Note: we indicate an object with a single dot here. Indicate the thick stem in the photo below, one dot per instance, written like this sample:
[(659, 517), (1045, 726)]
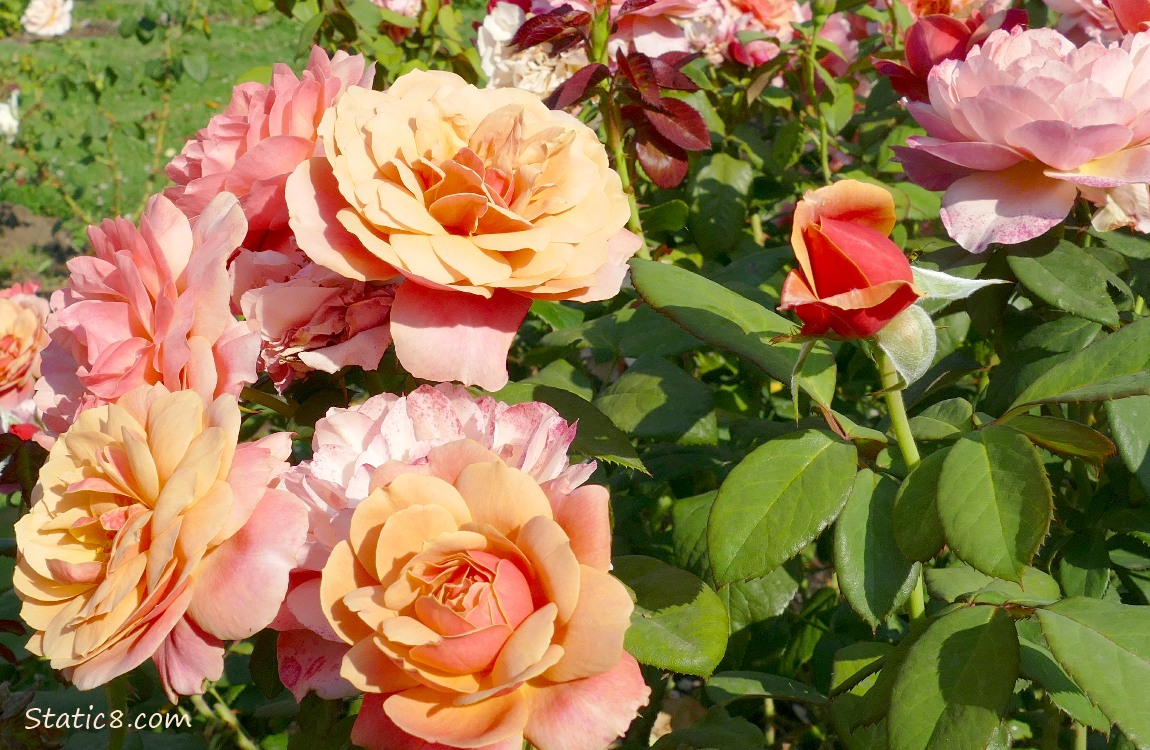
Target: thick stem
[(1051, 726), (1081, 733), (116, 693)]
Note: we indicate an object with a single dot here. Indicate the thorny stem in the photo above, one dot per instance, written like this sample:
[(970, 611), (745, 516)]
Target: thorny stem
[(279, 406), (902, 434)]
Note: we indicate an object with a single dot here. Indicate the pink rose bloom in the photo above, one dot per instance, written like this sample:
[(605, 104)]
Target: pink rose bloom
[(151, 306), (1132, 15), (250, 149), (154, 535), (1027, 122), (960, 9), (358, 449), (654, 30), (409, 8), (1086, 20), (318, 320)]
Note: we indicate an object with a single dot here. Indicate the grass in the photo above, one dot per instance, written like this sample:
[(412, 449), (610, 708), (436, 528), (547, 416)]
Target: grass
[(101, 115)]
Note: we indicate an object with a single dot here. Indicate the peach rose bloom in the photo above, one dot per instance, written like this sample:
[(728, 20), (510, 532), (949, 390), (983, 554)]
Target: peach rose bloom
[(151, 306), (361, 447), (22, 337), (152, 534), (267, 131), (475, 616), (482, 199), (47, 17)]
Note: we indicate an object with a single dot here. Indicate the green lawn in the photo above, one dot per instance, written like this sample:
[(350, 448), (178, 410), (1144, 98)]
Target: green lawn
[(102, 114)]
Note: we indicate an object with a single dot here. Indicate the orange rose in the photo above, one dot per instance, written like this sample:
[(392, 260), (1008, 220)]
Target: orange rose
[(482, 199), (22, 337), (476, 619)]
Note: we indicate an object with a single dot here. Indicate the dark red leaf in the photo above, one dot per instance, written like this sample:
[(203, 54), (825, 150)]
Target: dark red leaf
[(681, 124), (7, 655), (636, 68), (679, 59), (546, 27), (631, 6), (664, 162), (12, 626), (670, 77), (578, 87)]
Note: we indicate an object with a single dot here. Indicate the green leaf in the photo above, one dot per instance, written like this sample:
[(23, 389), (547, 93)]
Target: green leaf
[(1130, 426), (1084, 567), (689, 533), (197, 67), (1063, 436), (654, 398), (679, 623), (264, 665), (962, 583), (852, 710), (1105, 648), (1132, 246), (556, 314), (917, 529), (994, 501), (943, 421), (598, 437), (732, 322), (1069, 278), (717, 731), (1038, 664), (727, 687), (1112, 367), (873, 575), (759, 599), (841, 105), (776, 501), (956, 682), (719, 203), (634, 331), (668, 216)]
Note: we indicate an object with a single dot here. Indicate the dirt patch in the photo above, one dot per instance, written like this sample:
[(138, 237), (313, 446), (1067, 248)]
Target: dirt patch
[(21, 231)]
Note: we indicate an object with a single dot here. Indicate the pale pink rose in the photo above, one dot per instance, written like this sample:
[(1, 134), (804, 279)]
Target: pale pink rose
[(266, 132), (482, 199), (22, 338), (318, 320), (153, 535), (1025, 123), (47, 17), (1083, 20), (357, 449), (475, 615), (658, 28), (151, 306)]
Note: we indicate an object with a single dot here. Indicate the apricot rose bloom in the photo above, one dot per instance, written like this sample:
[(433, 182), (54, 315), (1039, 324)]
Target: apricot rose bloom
[(482, 199), (473, 617), (22, 338), (152, 534), (851, 279), (362, 447), (151, 306), (1026, 123)]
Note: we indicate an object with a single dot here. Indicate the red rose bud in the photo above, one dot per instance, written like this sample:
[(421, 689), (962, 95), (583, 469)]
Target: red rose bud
[(851, 279), (934, 38)]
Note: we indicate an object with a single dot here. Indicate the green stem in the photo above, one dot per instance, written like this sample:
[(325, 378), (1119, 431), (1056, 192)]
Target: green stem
[(902, 434), (1081, 734), (279, 406), (116, 693), (810, 62), (613, 127), (894, 404), (222, 714), (1051, 726)]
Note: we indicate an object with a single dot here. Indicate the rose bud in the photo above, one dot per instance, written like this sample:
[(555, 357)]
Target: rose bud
[(851, 279)]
